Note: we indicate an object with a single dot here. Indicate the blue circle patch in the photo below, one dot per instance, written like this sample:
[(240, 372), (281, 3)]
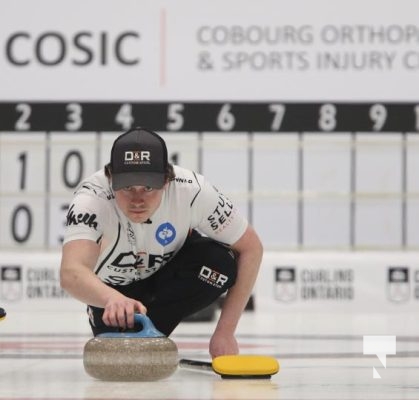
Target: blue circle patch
[(165, 233)]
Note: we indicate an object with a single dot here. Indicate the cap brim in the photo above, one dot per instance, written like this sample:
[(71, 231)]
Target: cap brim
[(155, 180)]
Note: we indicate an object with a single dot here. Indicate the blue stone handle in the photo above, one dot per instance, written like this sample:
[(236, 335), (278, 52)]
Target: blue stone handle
[(148, 330)]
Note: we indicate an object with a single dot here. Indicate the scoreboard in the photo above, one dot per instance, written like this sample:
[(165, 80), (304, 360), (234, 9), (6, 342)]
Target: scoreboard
[(210, 116), (307, 175)]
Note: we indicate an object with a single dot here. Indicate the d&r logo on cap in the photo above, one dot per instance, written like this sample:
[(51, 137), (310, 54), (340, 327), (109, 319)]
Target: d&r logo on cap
[(137, 157)]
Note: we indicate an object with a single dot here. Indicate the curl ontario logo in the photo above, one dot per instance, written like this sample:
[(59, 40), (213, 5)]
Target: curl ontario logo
[(285, 284), (398, 284), (165, 233)]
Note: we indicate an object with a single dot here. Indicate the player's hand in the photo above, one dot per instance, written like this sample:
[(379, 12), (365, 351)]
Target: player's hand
[(119, 311), (222, 344)]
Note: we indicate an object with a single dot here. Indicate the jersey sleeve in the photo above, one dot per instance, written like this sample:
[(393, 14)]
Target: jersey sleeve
[(217, 216), (86, 218)]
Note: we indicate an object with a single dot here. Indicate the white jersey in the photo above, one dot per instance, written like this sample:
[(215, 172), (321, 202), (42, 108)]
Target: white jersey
[(132, 251)]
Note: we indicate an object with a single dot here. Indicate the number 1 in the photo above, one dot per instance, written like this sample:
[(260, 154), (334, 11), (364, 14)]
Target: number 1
[(22, 159)]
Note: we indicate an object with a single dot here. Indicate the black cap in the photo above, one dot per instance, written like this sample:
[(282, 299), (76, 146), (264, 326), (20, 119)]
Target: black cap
[(138, 158)]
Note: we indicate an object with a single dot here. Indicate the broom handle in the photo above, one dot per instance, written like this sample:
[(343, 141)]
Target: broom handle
[(196, 364)]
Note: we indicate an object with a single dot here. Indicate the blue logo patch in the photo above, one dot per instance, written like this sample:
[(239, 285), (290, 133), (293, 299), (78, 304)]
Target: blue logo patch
[(165, 233)]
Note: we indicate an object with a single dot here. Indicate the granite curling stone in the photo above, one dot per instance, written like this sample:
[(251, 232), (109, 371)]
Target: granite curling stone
[(147, 355)]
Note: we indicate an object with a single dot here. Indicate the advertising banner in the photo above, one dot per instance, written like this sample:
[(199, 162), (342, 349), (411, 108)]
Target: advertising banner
[(335, 281), (209, 50), (310, 281)]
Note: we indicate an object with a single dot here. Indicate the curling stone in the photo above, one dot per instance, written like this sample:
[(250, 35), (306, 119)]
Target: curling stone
[(147, 355)]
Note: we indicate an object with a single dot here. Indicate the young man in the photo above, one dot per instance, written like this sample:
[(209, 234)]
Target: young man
[(145, 236)]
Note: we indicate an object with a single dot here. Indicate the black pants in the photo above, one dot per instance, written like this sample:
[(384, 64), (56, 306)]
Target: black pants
[(199, 273)]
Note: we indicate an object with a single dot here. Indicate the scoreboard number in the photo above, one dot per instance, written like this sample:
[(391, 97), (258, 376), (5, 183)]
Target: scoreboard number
[(279, 111), (327, 117), (378, 115), (21, 223), (417, 118), (175, 117), (22, 158), (75, 120), (24, 112), (72, 165), (124, 117), (225, 118)]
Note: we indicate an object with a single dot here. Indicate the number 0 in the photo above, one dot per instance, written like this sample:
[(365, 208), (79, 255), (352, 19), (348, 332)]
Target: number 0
[(24, 212), (79, 161)]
